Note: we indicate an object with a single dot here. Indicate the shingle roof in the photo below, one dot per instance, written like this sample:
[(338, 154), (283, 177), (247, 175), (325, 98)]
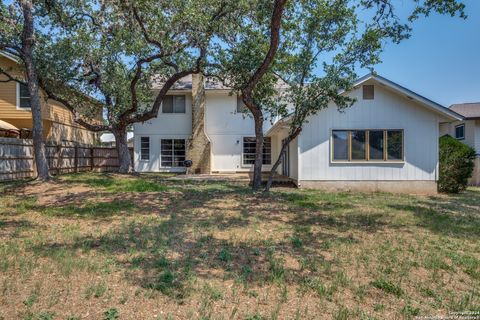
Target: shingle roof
[(211, 83), (468, 110), (185, 83)]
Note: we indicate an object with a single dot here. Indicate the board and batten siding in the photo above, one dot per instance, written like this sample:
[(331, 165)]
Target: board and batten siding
[(226, 128), (164, 126), (388, 110)]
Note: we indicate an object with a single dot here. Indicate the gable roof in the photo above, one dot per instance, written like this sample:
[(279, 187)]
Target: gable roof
[(432, 105), (468, 110), (436, 107)]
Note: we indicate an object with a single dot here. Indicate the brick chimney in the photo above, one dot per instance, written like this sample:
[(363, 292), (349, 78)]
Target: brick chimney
[(198, 146)]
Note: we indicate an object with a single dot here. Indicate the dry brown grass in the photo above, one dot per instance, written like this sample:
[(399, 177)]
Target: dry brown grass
[(150, 247)]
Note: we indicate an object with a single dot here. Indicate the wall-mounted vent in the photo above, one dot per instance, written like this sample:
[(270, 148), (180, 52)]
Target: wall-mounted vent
[(368, 92)]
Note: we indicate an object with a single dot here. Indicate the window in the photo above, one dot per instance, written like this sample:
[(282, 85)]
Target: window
[(241, 107), (460, 132), (376, 145), (249, 145), (358, 141), (367, 145), (368, 92), (173, 104), (340, 142), (23, 100), (173, 152), (144, 148), (394, 145)]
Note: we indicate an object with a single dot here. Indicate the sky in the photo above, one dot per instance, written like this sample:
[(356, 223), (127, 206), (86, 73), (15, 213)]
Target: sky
[(441, 60)]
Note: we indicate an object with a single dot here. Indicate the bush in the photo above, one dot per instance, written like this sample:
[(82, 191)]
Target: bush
[(456, 165)]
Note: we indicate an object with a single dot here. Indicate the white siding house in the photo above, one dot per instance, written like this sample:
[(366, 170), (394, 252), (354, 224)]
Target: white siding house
[(226, 128), (388, 141), (467, 131)]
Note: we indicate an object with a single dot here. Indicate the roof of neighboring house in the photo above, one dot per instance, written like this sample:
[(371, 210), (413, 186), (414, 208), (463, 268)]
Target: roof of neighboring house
[(434, 106), (8, 56), (108, 137), (468, 110)]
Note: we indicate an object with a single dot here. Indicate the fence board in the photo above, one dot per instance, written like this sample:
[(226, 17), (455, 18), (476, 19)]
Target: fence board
[(17, 158), (475, 179)]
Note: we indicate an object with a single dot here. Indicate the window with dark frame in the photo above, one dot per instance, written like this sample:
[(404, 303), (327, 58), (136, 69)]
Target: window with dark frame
[(144, 148), (368, 92), (172, 152), (460, 132), (367, 145), (249, 145), (24, 101), (173, 104)]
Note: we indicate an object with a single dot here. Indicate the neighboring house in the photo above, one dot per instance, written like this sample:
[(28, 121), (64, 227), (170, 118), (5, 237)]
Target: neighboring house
[(387, 141), (467, 131), (58, 123), (108, 139)]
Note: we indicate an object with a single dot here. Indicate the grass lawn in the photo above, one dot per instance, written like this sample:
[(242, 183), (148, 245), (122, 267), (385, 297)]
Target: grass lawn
[(93, 246)]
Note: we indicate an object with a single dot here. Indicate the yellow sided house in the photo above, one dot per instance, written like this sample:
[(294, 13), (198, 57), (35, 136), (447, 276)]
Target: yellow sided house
[(16, 116)]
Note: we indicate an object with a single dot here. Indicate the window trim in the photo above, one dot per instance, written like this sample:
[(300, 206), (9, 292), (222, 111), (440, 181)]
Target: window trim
[(458, 126), (149, 144), (246, 165), (367, 146), (173, 104), (173, 152), (17, 96)]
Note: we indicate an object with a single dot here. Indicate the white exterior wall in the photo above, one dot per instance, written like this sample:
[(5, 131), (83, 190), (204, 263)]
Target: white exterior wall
[(226, 128), (387, 111), (472, 132), (476, 144), (165, 126)]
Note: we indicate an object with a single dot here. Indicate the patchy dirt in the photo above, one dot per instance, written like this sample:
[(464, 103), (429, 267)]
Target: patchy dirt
[(149, 247)]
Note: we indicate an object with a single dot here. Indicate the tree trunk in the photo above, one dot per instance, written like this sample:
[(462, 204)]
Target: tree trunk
[(285, 144), (28, 42), (257, 167), (121, 143)]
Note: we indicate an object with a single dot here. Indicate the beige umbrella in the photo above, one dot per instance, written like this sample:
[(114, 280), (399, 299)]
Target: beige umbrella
[(7, 126)]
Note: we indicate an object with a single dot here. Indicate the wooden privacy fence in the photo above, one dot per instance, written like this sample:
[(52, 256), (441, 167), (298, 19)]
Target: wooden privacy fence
[(17, 158), (475, 179)]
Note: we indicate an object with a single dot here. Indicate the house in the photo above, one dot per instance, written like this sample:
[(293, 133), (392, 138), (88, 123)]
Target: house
[(387, 141), (467, 131), (58, 123), (107, 139)]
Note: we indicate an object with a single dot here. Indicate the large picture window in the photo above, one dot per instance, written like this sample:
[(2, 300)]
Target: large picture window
[(173, 152), (23, 97), (144, 148), (173, 104), (367, 145), (249, 145)]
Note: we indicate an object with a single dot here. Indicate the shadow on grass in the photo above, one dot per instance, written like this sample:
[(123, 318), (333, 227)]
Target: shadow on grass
[(168, 251)]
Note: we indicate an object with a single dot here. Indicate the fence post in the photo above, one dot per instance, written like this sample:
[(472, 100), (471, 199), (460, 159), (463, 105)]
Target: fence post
[(34, 161), (75, 159), (91, 159)]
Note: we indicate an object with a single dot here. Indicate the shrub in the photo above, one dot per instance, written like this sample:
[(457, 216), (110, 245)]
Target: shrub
[(456, 165)]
